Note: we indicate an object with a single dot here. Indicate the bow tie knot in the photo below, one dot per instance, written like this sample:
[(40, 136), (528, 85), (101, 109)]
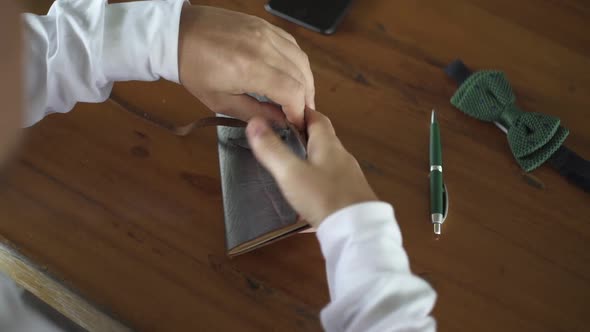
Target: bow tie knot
[(533, 137)]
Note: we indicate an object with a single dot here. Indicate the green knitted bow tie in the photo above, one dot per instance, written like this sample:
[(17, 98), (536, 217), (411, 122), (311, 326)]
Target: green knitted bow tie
[(533, 137)]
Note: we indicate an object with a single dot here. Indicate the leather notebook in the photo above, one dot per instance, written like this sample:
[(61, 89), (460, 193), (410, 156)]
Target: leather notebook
[(255, 211)]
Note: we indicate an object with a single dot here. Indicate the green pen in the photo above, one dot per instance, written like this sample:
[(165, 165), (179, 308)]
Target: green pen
[(438, 199)]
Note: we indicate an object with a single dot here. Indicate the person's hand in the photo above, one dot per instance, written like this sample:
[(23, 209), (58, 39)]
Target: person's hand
[(330, 179), (225, 54)]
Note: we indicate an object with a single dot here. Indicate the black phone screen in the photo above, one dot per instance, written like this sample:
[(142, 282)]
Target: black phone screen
[(322, 15)]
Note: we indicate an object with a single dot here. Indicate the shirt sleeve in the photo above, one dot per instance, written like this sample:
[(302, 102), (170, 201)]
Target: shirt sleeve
[(16, 315), (371, 285), (76, 51)]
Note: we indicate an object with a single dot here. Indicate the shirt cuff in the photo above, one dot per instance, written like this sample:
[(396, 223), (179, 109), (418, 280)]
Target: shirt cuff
[(356, 219), (141, 40)]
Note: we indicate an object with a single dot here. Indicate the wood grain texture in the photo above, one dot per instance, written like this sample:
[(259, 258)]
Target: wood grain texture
[(130, 216), (36, 279)]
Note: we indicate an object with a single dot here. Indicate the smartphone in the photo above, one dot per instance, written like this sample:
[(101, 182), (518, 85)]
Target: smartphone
[(317, 15)]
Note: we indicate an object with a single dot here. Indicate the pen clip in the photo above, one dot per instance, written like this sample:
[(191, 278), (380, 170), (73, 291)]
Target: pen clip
[(445, 202)]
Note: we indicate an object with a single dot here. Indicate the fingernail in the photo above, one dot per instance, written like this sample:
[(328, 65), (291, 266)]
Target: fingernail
[(256, 128), (312, 106)]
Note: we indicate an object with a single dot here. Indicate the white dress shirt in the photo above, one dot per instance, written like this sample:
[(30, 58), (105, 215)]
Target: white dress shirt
[(80, 48), (371, 285)]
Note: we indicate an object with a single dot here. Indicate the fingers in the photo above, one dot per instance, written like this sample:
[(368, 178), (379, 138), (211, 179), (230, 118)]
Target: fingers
[(244, 107), (272, 153), (286, 65), (283, 89), (318, 125), (300, 61), (321, 136), (285, 56)]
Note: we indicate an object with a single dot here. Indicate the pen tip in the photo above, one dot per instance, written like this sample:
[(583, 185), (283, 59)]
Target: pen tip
[(437, 229), (432, 117)]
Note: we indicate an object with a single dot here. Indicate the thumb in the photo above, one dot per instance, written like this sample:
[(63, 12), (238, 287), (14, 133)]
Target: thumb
[(271, 152)]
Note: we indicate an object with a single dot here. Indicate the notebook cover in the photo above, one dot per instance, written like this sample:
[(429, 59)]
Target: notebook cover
[(255, 211)]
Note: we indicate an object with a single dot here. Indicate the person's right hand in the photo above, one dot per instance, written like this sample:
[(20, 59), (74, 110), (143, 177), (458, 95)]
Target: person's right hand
[(224, 54), (330, 179)]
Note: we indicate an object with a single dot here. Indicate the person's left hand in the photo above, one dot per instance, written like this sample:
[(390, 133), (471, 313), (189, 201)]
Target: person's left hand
[(225, 54)]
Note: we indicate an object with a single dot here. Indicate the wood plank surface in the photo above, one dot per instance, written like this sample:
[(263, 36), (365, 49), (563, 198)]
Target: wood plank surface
[(130, 216)]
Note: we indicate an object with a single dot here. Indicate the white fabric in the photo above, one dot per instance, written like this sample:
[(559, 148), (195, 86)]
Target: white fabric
[(15, 315), (371, 285), (81, 47)]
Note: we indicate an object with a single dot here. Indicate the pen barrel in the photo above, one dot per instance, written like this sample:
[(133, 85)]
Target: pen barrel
[(436, 192), (435, 145)]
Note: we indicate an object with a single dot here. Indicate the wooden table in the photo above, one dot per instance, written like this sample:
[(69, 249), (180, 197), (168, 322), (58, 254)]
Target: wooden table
[(129, 216)]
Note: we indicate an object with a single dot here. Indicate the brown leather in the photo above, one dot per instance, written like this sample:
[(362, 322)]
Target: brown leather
[(178, 130), (208, 122)]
